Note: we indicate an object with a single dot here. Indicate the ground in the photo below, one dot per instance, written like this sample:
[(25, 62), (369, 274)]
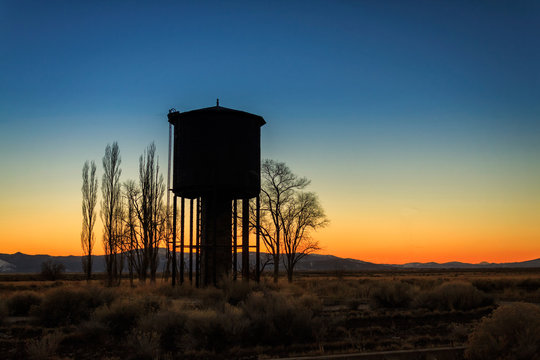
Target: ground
[(319, 314)]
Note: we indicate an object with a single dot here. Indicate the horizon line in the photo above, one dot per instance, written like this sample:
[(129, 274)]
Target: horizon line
[(345, 258)]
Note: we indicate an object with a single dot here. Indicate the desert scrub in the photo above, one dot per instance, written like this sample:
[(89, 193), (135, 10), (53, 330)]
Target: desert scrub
[(44, 347), (3, 310), (176, 292), (456, 295), (209, 297), (235, 291), (63, 306), (334, 292), (214, 330), (511, 332), (67, 305), (122, 315), (392, 294), (88, 332), (278, 319), (493, 285), (168, 326), (100, 295), (20, 302), (310, 301), (529, 284), (143, 345)]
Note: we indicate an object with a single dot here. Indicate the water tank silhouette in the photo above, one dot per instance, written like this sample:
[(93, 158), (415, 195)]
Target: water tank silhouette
[(216, 151)]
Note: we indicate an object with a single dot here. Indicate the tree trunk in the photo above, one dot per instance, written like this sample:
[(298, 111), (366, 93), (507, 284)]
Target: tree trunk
[(276, 267), (89, 267), (289, 274), (109, 270)]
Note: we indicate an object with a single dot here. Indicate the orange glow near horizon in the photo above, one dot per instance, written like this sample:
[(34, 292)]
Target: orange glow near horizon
[(369, 236), (370, 220)]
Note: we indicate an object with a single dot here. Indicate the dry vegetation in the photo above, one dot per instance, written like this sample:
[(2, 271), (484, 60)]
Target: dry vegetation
[(319, 314)]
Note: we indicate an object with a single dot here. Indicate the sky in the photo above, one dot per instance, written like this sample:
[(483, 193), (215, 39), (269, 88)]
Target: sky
[(418, 122)]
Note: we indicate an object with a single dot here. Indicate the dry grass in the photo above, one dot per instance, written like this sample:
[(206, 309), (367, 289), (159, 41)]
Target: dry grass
[(455, 295), (71, 305), (393, 294), (236, 319), (122, 315), (3, 310), (45, 347), (20, 303), (511, 332)]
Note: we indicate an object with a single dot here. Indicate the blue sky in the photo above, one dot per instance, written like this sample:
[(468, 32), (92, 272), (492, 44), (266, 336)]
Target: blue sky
[(428, 98)]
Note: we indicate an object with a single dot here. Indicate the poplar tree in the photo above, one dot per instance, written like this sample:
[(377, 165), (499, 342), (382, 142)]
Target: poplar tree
[(111, 210), (89, 200)]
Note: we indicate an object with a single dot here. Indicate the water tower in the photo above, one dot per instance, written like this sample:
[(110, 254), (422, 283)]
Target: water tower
[(217, 157)]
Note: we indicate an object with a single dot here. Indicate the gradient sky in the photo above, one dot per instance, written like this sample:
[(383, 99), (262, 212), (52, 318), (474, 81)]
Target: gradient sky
[(418, 122)]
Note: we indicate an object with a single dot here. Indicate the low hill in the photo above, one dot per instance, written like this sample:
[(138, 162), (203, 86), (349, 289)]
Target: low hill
[(460, 265), (23, 263)]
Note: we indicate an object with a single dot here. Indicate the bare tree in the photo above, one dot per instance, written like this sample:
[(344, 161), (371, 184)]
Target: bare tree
[(146, 215), (131, 194), (138, 258), (153, 215), (287, 215), (119, 234), (89, 194), (52, 270), (299, 217), (111, 208)]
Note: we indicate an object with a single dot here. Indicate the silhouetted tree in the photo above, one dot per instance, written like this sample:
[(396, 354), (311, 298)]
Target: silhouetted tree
[(302, 214), (89, 194), (52, 270), (153, 213), (111, 210), (132, 229), (137, 256), (147, 215), (288, 214)]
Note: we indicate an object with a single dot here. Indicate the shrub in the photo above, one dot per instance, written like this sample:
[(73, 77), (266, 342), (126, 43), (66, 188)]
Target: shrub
[(235, 291), (215, 330), (335, 292), (66, 305), (3, 311), (529, 285), (457, 295), (277, 319), (347, 292), (512, 332), (123, 314), (88, 332), (99, 295), (392, 294), (168, 325), (210, 297), (45, 347), (493, 285), (144, 345), (311, 302), (52, 270), (19, 304), (202, 327), (175, 292)]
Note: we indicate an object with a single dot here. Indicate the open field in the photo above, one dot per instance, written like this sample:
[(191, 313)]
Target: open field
[(319, 314)]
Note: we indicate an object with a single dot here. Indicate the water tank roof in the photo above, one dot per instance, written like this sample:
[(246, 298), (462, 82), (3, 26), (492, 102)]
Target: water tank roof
[(219, 112)]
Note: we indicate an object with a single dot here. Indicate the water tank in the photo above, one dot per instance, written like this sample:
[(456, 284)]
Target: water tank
[(216, 151)]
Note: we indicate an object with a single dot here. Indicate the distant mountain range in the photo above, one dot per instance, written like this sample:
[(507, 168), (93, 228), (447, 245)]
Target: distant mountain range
[(460, 265), (22, 263)]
